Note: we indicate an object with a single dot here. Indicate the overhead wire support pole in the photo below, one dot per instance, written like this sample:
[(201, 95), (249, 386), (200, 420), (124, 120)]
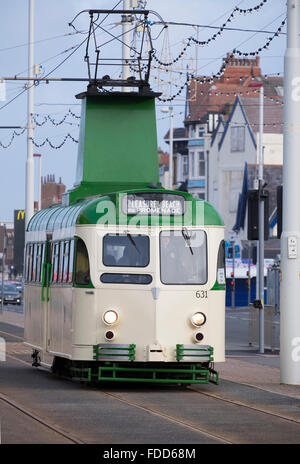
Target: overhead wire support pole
[(126, 24), (290, 237), (29, 184), (261, 231)]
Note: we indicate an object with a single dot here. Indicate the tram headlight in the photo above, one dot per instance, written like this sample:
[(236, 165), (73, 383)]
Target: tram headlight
[(198, 319), (110, 317)]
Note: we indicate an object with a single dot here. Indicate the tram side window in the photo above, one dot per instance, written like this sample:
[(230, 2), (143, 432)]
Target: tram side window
[(61, 261), (221, 274), (82, 266), (28, 262), (38, 262), (55, 262), (34, 262), (66, 262), (71, 261)]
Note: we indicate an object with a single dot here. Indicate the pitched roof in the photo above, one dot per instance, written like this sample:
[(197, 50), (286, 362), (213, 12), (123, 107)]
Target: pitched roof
[(227, 125), (178, 133), (218, 95), (273, 114)]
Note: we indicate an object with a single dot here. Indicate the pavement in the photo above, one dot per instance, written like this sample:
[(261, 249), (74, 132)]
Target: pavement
[(245, 366)]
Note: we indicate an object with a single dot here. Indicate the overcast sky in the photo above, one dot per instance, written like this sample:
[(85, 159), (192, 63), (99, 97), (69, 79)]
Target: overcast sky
[(52, 40)]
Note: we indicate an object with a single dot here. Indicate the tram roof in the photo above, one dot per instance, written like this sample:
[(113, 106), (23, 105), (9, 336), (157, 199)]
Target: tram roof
[(108, 209)]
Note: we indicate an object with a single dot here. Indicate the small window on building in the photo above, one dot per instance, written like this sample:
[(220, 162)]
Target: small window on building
[(201, 164), (201, 131), (237, 138), (185, 165), (192, 166), (82, 270), (213, 119), (192, 131)]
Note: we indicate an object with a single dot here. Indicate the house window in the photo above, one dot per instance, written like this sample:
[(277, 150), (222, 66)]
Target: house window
[(201, 131), (201, 164), (238, 138), (213, 119), (192, 131), (192, 167), (185, 165)]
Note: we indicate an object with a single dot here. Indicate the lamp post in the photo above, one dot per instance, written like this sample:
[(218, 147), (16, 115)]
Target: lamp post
[(29, 194), (126, 24), (169, 109), (290, 237), (261, 233)]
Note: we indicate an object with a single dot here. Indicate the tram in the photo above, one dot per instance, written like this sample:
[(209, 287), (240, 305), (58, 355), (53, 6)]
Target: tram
[(125, 280)]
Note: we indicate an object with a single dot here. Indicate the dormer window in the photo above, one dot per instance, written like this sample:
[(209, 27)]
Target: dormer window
[(213, 119)]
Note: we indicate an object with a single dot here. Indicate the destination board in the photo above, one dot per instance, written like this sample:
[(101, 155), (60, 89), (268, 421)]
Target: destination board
[(153, 204)]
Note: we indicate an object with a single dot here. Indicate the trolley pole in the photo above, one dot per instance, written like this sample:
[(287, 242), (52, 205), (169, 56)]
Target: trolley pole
[(290, 237), (126, 23), (29, 195)]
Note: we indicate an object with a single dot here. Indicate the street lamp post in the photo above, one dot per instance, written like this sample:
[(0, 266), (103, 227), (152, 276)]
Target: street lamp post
[(261, 233), (169, 109), (29, 196), (290, 237)]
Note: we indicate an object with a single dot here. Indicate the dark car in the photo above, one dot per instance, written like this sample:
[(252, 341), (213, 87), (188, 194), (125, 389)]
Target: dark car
[(11, 295)]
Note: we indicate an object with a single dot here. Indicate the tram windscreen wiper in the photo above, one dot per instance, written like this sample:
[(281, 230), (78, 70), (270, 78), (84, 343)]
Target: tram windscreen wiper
[(187, 239), (133, 243)]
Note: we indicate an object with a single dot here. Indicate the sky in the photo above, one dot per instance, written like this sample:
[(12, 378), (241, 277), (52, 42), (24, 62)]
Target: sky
[(55, 40)]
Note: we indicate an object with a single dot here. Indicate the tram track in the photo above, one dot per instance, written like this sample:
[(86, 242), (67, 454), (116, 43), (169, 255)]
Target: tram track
[(201, 429), (156, 413), (169, 418), (244, 405), (53, 427), (183, 422)]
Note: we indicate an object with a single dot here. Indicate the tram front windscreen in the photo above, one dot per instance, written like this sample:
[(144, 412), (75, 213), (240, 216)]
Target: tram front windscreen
[(183, 257)]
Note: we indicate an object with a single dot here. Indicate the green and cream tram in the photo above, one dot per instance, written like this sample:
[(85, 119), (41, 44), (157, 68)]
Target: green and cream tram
[(125, 280), (127, 286)]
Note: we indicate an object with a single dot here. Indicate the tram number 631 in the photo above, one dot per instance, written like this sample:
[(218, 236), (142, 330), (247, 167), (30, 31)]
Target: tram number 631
[(201, 294)]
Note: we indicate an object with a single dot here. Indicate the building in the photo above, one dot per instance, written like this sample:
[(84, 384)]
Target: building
[(234, 143), (209, 105), (7, 230), (51, 191)]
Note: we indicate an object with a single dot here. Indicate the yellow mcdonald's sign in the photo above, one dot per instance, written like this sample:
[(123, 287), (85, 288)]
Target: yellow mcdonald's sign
[(21, 213)]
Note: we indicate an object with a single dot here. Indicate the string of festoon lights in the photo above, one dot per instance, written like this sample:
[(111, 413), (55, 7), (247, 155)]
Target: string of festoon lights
[(55, 147), (52, 120), (14, 134), (206, 42)]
